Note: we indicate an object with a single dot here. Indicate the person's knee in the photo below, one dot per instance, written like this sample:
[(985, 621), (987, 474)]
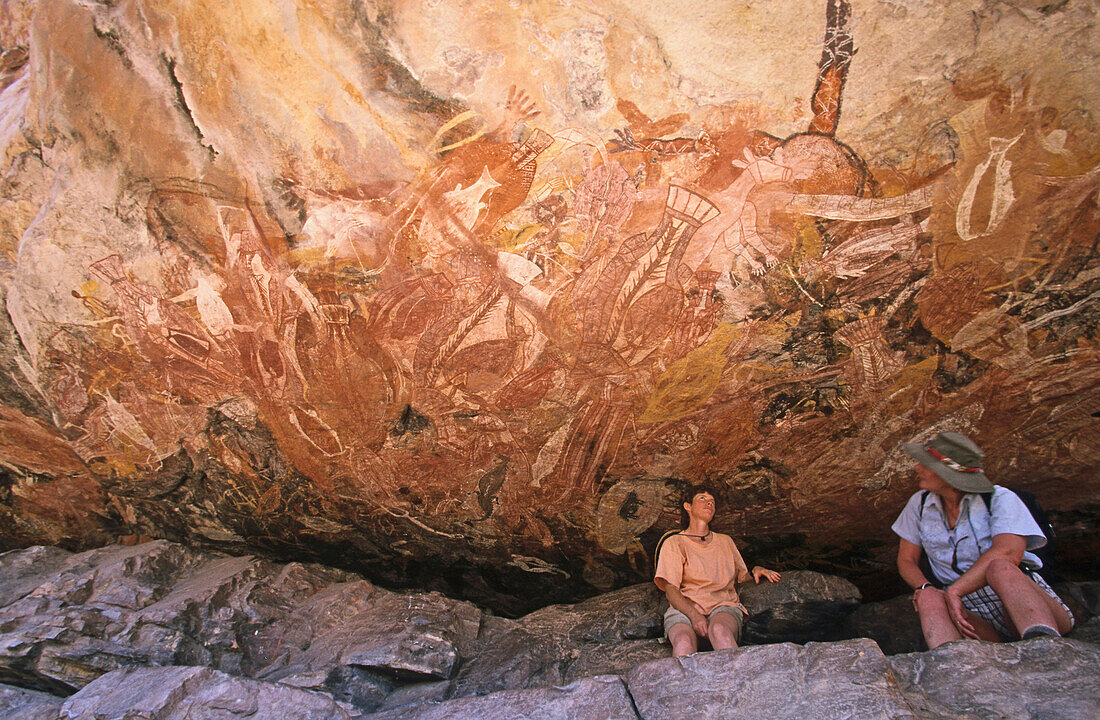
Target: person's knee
[(721, 634), (931, 602), (682, 635)]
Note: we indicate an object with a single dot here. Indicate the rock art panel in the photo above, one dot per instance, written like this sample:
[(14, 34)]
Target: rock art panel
[(470, 316)]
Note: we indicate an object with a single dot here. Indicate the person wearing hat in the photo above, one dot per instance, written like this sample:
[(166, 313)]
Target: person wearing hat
[(984, 585)]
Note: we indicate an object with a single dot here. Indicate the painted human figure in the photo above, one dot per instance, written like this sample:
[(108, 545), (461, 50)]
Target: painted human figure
[(977, 536), (698, 570)]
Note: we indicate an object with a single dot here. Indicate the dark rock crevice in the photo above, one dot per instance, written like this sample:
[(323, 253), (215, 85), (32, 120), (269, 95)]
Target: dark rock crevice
[(182, 105)]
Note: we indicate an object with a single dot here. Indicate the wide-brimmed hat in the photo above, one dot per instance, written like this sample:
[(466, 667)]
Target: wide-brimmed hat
[(955, 458)]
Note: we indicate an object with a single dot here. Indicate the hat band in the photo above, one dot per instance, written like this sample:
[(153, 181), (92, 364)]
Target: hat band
[(949, 462)]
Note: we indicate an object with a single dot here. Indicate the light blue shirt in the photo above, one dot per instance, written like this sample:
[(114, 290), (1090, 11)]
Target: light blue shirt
[(973, 532)]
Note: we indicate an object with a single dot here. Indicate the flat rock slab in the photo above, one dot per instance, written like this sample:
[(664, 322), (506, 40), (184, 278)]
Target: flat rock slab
[(19, 704), (1045, 678), (190, 693), (616, 658), (826, 681), (24, 570), (597, 698), (358, 624)]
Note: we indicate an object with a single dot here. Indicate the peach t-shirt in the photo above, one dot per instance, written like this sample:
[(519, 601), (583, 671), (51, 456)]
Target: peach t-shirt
[(706, 574)]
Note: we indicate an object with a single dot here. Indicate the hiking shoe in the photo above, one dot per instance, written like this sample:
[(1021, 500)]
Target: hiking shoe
[(1039, 631)]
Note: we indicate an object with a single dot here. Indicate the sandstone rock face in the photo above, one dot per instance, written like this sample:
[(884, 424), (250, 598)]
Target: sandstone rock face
[(461, 295)]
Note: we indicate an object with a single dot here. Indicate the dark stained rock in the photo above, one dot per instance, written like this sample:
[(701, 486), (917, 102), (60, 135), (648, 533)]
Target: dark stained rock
[(177, 693), (597, 698), (1083, 598), (850, 679), (1088, 631), (416, 694), (893, 624), (20, 704), (1026, 680), (804, 606)]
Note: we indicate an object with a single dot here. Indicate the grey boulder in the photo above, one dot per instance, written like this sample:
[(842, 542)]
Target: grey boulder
[(596, 698), (20, 704), (192, 693), (360, 642), (1040, 679), (24, 570), (73, 618), (818, 681)]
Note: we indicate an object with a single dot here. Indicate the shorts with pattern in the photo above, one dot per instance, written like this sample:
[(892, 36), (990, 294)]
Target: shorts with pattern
[(986, 604), (674, 616)]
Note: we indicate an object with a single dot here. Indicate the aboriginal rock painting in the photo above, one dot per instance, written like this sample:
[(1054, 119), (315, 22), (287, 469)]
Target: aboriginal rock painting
[(549, 332)]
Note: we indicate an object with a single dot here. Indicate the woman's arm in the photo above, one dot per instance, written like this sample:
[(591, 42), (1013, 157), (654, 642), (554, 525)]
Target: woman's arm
[(909, 564), (677, 600), (1007, 546)]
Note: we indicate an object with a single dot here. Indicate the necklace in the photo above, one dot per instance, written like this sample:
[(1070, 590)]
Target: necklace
[(701, 537)]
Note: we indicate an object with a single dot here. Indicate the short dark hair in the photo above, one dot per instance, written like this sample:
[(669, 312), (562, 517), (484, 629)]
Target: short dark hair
[(691, 492), (688, 496)]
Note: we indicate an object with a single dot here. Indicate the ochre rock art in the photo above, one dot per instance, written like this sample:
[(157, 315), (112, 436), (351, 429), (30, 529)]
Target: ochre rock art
[(449, 325)]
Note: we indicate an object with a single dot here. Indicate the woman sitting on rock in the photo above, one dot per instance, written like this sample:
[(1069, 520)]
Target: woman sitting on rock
[(698, 571), (977, 536)]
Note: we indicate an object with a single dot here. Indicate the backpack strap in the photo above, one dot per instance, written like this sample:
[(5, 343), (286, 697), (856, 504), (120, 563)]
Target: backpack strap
[(924, 564), (660, 543)]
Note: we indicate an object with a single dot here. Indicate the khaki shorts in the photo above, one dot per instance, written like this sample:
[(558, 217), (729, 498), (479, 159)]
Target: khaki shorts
[(674, 616)]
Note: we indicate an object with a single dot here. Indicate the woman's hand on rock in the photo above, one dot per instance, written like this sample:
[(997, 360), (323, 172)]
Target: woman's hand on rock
[(771, 575)]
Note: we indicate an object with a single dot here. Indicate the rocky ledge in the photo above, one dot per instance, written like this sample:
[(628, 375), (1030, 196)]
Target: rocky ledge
[(161, 631)]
